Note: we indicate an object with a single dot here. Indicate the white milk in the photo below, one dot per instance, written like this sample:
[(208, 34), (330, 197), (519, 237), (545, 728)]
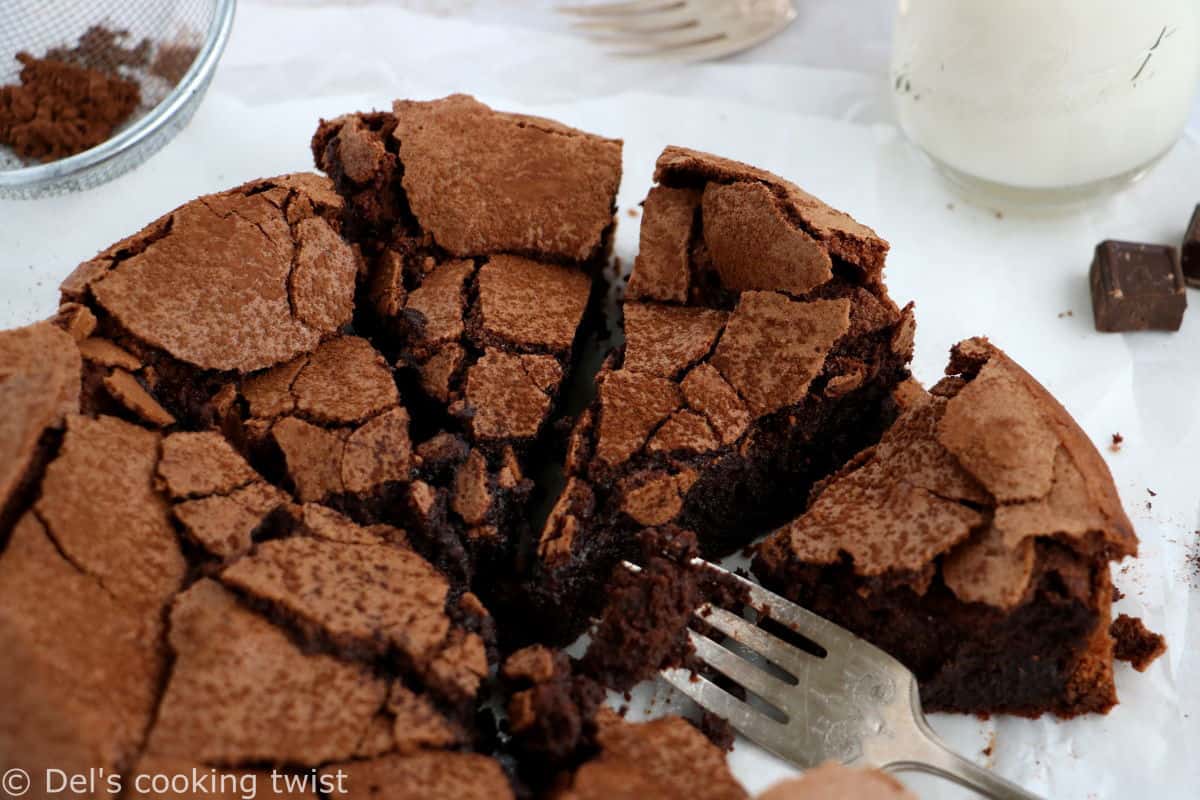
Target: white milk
[(1045, 94)]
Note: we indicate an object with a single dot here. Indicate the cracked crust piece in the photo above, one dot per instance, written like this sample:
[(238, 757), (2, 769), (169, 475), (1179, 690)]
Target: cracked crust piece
[(79, 667), (477, 181), (372, 598), (229, 283), (832, 781), (981, 526), (488, 250), (419, 776), (335, 418), (39, 387), (713, 227), (667, 758), (240, 692), (84, 582)]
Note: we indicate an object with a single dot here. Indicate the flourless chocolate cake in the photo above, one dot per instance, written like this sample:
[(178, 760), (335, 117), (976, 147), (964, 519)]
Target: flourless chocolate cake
[(267, 496), (973, 543), (760, 346)]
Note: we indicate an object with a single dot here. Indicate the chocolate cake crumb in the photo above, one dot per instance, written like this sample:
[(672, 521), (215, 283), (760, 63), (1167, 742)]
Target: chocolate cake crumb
[(60, 109), (1135, 643)]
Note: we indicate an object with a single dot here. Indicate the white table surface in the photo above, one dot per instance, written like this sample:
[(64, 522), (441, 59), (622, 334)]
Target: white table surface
[(813, 105)]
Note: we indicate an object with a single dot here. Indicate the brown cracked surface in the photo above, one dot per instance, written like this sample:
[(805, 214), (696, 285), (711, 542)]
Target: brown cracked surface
[(39, 388), (976, 472), (267, 277), (665, 758), (481, 181), (832, 781), (982, 525), (241, 692), (464, 776)]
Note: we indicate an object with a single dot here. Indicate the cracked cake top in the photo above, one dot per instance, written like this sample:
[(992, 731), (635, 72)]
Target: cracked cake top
[(975, 471), (713, 223), (267, 276), (477, 181)]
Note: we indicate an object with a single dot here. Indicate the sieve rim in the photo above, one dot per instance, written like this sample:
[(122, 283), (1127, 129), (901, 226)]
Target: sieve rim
[(195, 81)]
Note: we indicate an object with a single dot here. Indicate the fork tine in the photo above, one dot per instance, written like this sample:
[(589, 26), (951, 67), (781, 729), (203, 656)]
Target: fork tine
[(620, 8), (816, 629), (790, 659), (712, 698), (706, 49), (741, 671), (672, 20), (671, 44)]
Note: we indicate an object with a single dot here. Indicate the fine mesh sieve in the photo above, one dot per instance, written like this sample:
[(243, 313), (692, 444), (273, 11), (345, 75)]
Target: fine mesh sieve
[(170, 48)]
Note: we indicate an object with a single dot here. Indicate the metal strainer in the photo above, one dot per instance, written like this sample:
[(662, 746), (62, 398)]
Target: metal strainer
[(183, 40)]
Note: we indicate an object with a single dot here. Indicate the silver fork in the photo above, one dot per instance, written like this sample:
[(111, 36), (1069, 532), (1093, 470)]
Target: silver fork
[(683, 30), (856, 704)]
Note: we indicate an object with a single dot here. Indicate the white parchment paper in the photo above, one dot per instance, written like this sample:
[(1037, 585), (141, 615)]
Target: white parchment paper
[(1020, 278)]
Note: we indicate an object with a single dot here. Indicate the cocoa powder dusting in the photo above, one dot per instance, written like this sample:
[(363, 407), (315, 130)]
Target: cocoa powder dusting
[(60, 109)]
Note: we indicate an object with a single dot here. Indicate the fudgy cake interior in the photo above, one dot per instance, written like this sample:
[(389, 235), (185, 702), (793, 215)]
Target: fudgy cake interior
[(760, 347), (973, 543)]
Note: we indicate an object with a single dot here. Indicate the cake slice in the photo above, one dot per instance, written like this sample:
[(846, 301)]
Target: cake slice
[(485, 235), (760, 349), (223, 286), (973, 543)]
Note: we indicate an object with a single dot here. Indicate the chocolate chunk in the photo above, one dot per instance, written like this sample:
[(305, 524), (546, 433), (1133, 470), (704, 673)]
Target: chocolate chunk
[(1190, 253), (1137, 287)]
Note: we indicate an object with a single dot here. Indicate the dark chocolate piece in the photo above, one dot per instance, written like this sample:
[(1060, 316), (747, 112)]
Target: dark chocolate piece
[(1189, 254), (1137, 287)]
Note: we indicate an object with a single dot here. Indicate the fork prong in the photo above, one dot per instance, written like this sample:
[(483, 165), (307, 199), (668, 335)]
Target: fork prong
[(673, 20), (816, 629), (744, 718), (784, 655), (619, 8), (708, 48), (741, 671)]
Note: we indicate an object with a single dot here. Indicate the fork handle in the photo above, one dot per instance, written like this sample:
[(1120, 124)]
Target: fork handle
[(931, 756)]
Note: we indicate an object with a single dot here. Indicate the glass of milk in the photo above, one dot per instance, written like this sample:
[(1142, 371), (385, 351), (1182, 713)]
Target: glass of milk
[(1045, 100)]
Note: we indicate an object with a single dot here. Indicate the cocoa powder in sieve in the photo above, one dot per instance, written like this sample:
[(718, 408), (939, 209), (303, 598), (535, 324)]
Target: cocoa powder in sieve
[(60, 109)]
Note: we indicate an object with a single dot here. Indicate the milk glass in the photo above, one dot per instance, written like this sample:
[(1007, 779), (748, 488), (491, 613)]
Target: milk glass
[(1045, 99)]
